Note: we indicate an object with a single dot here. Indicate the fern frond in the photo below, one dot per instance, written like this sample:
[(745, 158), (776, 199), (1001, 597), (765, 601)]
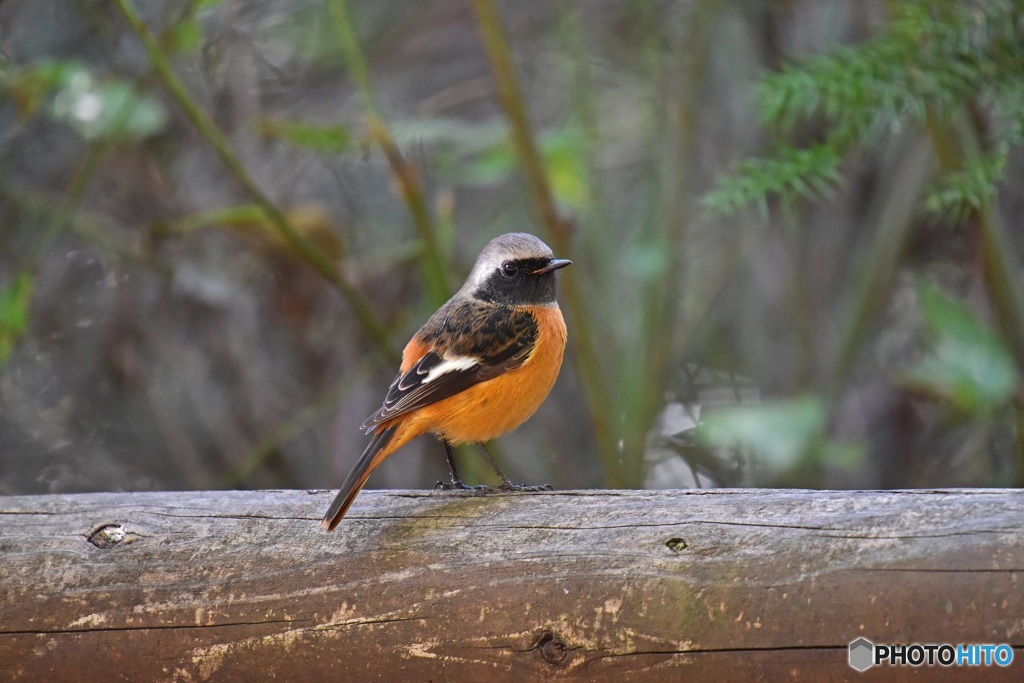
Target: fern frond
[(933, 59)]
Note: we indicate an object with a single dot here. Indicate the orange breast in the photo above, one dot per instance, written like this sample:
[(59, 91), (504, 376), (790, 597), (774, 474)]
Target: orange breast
[(491, 408)]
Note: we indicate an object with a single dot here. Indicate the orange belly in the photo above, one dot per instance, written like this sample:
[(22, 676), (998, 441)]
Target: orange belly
[(491, 408)]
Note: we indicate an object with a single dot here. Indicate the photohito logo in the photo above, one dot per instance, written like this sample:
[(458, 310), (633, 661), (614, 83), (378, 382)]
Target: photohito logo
[(864, 654)]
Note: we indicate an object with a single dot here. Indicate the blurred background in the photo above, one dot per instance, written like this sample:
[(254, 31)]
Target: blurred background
[(796, 229)]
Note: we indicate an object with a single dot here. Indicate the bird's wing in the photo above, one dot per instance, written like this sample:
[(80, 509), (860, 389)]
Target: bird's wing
[(487, 342)]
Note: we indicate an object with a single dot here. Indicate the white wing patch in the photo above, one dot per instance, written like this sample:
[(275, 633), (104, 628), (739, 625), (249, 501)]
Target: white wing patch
[(449, 364)]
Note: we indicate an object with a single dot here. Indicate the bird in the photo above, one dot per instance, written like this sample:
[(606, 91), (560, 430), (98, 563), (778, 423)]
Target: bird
[(478, 368)]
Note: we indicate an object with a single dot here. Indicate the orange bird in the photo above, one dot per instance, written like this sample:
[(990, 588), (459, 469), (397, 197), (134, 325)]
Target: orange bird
[(478, 368)]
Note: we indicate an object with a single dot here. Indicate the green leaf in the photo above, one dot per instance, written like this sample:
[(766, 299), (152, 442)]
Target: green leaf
[(780, 432), (331, 139), (30, 86), (494, 164), (231, 215), (563, 156), (647, 261), (955, 194), (841, 455), (561, 150), (14, 302), (790, 173), (95, 108), (967, 364), (186, 35), (931, 59)]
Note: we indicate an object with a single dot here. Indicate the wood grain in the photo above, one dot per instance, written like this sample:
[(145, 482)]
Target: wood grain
[(451, 586)]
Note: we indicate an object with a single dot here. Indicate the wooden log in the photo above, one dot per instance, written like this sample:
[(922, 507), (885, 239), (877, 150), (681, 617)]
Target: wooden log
[(721, 585)]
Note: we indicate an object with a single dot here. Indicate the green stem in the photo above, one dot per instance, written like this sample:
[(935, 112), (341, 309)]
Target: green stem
[(1002, 270), (677, 109), (217, 140), (435, 268), (589, 363), (892, 226), (354, 57), (523, 139)]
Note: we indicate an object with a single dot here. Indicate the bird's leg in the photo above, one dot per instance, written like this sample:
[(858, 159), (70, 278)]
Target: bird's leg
[(506, 483), (457, 482)]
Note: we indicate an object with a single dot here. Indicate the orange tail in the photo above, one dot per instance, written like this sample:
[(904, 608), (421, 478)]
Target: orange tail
[(384, 443)]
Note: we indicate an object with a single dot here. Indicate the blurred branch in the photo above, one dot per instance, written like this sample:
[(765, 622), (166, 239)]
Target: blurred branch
[(589, 363), (598, 213), (1002, 269), (435, 267), (891, 223), (354, 56), (406, 175), (675, 144), (1002, 273), (955, 148), (511, 98), (213, 135)]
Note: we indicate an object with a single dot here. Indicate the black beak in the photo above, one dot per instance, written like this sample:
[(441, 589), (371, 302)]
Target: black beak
[(553, 264)]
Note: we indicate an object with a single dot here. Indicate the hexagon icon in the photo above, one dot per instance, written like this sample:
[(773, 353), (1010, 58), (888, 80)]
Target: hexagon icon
[(862, 654)]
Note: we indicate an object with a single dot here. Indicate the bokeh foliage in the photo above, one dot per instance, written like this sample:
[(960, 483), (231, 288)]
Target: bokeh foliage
[(952, 72), (794, 228)]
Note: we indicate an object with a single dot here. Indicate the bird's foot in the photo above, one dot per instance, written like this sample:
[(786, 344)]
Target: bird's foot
[(510, 486)]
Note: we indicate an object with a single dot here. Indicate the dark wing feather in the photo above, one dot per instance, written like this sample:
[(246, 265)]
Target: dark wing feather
[(503, 341)]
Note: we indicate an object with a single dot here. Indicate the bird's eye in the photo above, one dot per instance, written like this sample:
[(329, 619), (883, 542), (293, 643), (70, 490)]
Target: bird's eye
[(509, 269)]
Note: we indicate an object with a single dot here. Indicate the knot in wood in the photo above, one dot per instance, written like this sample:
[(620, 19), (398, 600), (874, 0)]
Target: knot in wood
[(552, 648), (676, 545), (107, 536)]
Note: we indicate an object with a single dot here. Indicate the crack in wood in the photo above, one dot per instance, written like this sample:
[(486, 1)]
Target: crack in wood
[(371, 621), (157, 627), (910, 537)]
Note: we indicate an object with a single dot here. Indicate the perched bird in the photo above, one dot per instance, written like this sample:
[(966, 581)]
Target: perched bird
[(480, 366)]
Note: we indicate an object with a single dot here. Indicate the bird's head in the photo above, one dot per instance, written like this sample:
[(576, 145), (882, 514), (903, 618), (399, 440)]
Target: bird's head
[(515, 269)]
